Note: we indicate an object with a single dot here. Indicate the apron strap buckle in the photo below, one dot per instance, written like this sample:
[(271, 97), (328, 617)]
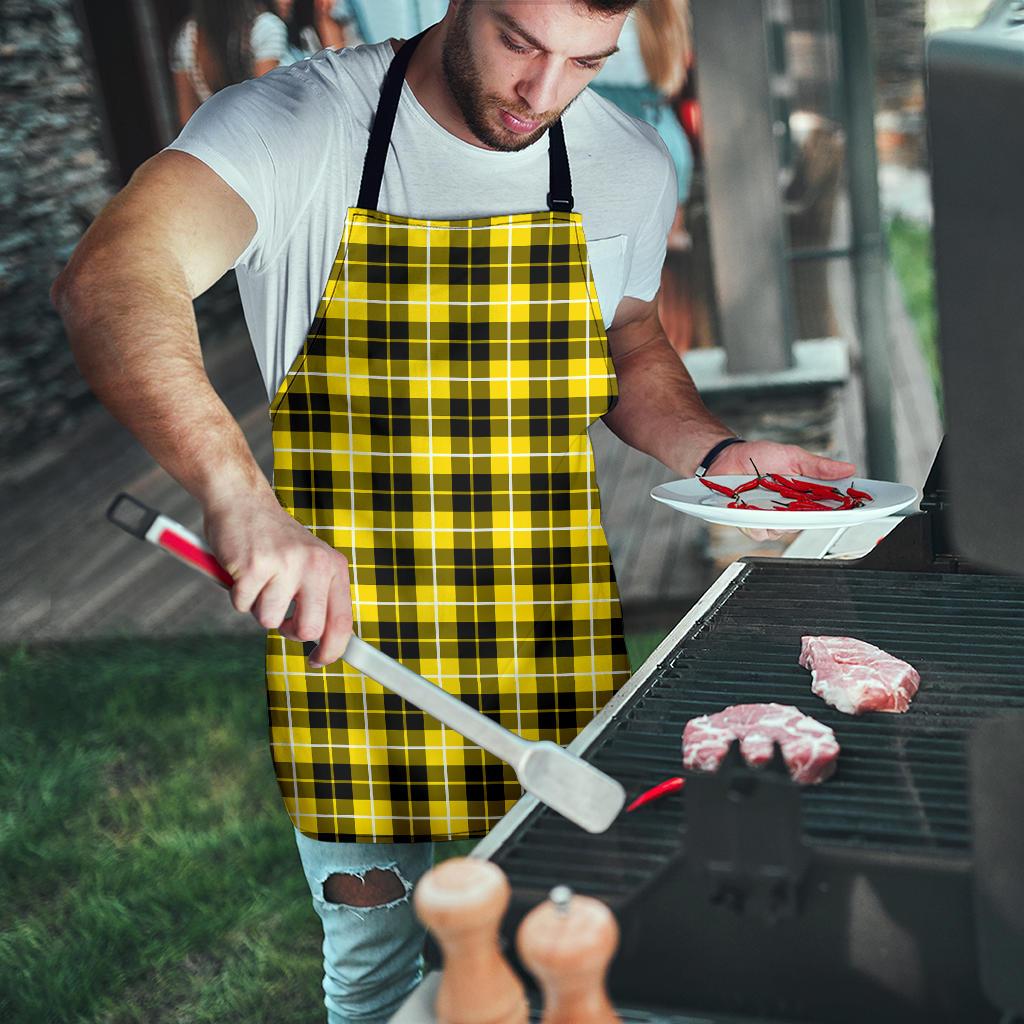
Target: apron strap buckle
[(560, 205)]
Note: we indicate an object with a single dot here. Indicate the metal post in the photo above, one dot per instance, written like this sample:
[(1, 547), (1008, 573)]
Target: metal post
[(744, 202), (867, 241)]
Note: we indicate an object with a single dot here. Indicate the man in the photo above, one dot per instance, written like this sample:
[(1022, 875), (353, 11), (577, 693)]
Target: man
[(430, 406)]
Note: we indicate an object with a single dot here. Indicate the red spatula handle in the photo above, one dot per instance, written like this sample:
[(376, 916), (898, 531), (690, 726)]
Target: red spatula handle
[(147, 524)]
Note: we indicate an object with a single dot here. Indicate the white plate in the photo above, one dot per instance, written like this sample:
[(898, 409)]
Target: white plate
[(693, 498)]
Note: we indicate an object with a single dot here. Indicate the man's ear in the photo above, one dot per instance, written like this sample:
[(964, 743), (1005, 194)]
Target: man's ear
[(453, 10)]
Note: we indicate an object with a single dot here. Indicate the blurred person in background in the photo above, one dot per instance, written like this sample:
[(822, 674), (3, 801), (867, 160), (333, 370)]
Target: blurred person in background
[(313, 25), (648, 73), (221, 43), (645, 78), (373, 21)]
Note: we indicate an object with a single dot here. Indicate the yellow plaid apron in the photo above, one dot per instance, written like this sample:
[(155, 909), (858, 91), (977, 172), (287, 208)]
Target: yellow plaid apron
[(434, 429)]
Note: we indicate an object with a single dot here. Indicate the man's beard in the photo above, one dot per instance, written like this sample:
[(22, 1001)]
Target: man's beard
[(466, 86)]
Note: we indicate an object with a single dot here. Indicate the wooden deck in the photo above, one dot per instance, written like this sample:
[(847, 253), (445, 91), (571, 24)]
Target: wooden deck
[(71, 574)]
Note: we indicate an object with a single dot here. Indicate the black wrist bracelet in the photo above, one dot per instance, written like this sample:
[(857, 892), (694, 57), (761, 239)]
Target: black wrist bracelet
[(705, 463)]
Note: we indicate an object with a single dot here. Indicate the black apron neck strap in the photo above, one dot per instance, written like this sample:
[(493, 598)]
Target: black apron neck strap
[(383, 122), (559, 186)]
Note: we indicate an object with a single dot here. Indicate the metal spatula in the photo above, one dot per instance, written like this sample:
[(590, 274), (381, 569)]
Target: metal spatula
[(564, 782)]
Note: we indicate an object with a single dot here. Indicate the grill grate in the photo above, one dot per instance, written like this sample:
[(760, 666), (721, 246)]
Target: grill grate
[(901, 785)]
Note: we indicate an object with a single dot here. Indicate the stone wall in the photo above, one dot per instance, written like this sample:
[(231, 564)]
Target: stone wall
[(899, 82), (899, 53), (54, 178)]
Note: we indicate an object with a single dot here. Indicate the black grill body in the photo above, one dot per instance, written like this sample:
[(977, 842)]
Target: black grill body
[(847, 901)]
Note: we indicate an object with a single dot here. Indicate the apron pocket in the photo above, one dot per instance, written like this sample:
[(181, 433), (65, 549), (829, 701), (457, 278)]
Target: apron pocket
[(608, 265)]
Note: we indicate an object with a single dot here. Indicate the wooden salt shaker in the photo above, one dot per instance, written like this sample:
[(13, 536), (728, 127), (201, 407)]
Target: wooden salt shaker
[(567, 943), (462, 902)]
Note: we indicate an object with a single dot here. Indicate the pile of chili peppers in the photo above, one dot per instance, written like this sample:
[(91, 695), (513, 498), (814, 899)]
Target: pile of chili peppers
[(800, 495)]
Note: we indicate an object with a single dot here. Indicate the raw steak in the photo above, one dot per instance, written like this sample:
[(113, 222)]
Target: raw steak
[(808, 747), (855, 677)]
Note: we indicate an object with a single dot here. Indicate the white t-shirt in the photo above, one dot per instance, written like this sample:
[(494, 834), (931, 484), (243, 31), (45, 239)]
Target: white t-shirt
[(292, 144)]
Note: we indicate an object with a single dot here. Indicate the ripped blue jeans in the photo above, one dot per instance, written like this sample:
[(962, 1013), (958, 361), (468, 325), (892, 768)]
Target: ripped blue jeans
[(372, 955)]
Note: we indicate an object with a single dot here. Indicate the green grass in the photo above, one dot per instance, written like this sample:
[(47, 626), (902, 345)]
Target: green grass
[(910, 247), (148, 871), (640, 647)]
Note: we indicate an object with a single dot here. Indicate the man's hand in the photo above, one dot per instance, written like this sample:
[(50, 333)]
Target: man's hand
[(660, 412), (771, 457), (274, 561)]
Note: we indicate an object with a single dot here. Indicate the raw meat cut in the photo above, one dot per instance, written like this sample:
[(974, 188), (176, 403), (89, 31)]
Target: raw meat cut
[(855, 677), (808, 747)]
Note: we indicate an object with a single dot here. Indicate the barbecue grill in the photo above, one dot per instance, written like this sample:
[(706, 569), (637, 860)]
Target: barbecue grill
[(748, 896), (895, 890)]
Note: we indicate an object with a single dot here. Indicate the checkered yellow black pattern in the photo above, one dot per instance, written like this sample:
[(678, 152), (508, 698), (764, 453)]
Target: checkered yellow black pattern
[(434, 429)]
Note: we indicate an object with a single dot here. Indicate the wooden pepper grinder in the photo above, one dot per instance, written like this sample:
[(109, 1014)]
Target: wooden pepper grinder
[(567, 943), (462, 902)]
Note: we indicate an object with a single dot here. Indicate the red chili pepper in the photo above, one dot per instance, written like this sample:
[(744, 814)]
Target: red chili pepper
[(750, 485), (806, 505), (660, 790), (809, 487), (786, 492), (719, 488), (862, 495)]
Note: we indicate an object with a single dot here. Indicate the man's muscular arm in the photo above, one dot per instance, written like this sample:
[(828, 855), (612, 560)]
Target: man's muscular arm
[(659, 410), (126, 301)]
